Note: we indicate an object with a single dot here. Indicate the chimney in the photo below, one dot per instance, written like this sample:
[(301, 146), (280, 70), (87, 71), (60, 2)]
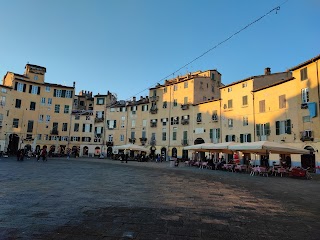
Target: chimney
[(267, 71)]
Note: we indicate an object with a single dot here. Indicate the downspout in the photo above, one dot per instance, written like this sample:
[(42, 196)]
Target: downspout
[(169, 136), (254, 118)]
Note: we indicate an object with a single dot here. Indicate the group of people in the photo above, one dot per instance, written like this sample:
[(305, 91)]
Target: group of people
[(40, 153)]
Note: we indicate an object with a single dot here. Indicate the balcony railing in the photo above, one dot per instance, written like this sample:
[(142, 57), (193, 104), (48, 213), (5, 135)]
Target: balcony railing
[(153, 125), (143, 141), (109, 144), (306, 136), (184, 142), (132, 140), (154, 110), (184, 121), (98, 120), (54, 132), (184, 106), (154, 98)]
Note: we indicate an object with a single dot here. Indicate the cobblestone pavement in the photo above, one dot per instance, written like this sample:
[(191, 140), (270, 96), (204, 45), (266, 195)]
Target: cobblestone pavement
[(105, 199)]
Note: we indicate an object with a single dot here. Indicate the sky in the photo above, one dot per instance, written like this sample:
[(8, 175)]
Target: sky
[(128, 46)]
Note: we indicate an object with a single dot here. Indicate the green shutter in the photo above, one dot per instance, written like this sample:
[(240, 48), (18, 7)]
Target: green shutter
[(83, 127), (241, 138), (218, 133), (277, 128), (249, 137), (233, 138), (226, 138), (115, 124), (211, 134), (267, 129), (288, 126), (258, 129)]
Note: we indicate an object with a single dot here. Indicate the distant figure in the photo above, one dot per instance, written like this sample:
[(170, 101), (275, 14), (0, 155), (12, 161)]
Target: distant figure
[(44, 154), (68, 153)]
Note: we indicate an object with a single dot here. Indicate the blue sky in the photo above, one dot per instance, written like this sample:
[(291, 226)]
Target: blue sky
[(127, 46)]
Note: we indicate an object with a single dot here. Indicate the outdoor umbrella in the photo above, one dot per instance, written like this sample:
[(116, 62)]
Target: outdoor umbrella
[(266, 147), (132, 147), (221, 147), (198, 147)]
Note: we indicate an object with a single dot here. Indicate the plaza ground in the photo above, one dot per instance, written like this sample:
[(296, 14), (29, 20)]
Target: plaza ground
[(87, 198)]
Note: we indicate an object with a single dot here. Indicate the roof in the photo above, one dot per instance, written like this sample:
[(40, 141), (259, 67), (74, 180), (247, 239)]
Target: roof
[(249, 78), (274, 84), (305, 63), (210, 100), (37, 66)]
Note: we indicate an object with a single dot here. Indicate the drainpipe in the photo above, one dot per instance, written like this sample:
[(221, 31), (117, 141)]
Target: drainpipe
[(254, 118)]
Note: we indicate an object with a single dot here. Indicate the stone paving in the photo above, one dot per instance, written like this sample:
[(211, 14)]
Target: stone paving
[(105, 199)]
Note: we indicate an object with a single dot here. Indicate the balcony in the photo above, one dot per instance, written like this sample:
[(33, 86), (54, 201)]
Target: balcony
[(132, 140), (154, 124), (109, 144), (184, 106), (98, 120), (199, 120), (143, 141), (54, 132), (154, 98), (185, 121), (152, 142), (306, 135), (154, 110), (184, 142)]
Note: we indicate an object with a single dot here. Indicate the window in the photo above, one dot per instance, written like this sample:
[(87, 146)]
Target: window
[(245, 121), (174, 134), (164, 134), (244, 100), (77, 117), (133, 135), (39, 136), (49, 101), (20, 87), (283, 127), (100, 101), (303, 74), (110, 138), (306, 119), (199, 117), (3, 90), (121, 137), (215, 116), (230, 123), (133, 123), (185, 85), (244, 85), (2, 101), (165, 90), (175, 87), (214, 135), (164, 104), (48, 118), (212, 88), (34, 90), (64, 127), (76, 127), (68, 94), (230, 103), (305, 95), (164, 121), (30, 126), (185, 100), (262, 106), (57, 93), (66, 109), (18, 103), (41, 118), (15, 123), (245, 137), (35, 77), (230, 138), (57, 108), (229, 89), (144, 108), (212, 76), (175, 102), (123, 122), (86, 127), (174, 120), (43, 101), (111, 124), (48, 88), (282, 101), (144, 122), (32, 106)]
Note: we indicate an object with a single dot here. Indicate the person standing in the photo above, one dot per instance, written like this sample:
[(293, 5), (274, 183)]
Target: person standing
[(68, 153), (44, 154)]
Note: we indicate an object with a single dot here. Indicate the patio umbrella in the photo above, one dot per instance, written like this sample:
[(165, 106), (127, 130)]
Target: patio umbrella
[(198, 147), (221, 147), (132, 147), (266, 147)]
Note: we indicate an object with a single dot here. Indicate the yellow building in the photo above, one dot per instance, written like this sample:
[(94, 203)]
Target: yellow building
[(5, 121), (39, 111)]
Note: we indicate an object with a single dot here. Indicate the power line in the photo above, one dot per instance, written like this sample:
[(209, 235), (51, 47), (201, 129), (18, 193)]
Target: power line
[(276, 9)]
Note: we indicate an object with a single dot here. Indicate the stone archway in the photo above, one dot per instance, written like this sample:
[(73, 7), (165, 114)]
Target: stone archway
[(309, 160), (85, 151)]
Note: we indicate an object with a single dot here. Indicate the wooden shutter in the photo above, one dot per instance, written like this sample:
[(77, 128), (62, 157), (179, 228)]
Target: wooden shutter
[(241, 138), (258, 129), (277, 128), (288, 126)]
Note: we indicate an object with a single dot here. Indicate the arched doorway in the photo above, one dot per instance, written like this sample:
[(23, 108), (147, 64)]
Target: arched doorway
[(184, 155), (200, 155), (153, 152), (163, 154), (97, 151), (85, 151), (309, 160), (174, 152), (13, 143), (109, 151)]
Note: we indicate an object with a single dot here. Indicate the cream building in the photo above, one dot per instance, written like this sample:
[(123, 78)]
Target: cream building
[(39, 111)]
